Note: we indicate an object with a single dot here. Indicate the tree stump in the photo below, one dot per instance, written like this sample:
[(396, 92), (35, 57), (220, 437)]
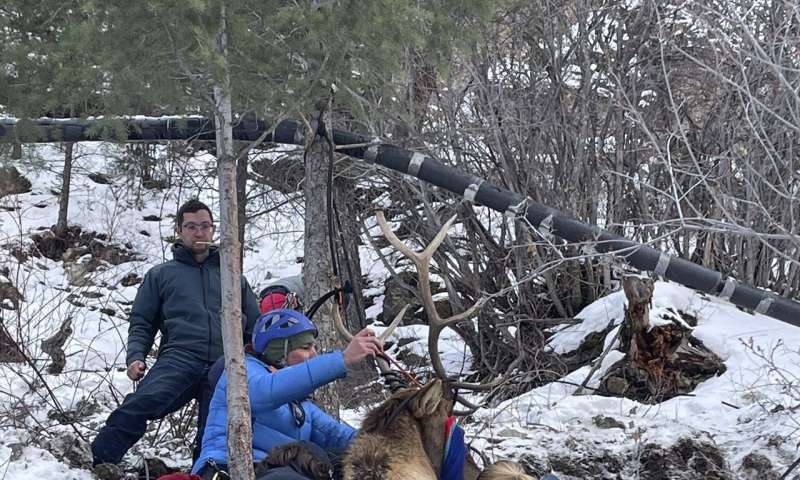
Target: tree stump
[(661, 361)]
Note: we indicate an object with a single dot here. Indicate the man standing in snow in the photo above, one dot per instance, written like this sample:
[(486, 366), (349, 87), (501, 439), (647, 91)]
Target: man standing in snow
[(180, 298)]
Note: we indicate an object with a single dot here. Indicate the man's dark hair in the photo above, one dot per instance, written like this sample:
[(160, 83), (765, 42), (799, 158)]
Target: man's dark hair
[(192, 206)]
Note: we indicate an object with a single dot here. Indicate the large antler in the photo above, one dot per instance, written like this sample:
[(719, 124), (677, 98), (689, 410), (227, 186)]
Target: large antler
[(436, 323)]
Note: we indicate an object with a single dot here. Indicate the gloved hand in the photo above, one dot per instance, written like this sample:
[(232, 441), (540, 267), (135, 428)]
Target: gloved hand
[(394, 380)]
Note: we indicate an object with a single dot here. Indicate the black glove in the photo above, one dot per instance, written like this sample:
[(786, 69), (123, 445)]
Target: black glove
[(394, 380)]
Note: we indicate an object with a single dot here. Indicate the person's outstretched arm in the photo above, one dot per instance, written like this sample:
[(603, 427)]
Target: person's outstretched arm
[(270, 390)]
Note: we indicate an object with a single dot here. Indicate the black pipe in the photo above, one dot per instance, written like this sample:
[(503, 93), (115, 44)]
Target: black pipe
[(547, 220)]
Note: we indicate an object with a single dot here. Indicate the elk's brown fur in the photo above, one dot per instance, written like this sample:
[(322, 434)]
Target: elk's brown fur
[(409, 443), (402, 444), (503, 470)]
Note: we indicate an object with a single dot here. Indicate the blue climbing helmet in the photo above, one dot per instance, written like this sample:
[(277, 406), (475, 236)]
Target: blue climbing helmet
[(278, 324)]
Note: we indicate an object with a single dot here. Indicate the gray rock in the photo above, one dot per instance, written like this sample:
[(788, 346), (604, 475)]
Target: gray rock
[(602, 421), (688, 459), (756, 466), (396, 297)]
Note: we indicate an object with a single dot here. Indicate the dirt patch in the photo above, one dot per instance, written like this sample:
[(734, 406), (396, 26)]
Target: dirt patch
[(76, 243), (687, 459), (10, 297), (130, 280), (598, 465), (54, 346), (9, 352), (757, 466), (12, 182)]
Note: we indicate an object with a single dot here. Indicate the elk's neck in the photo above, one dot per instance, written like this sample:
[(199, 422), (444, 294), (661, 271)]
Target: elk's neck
[(433, 440)]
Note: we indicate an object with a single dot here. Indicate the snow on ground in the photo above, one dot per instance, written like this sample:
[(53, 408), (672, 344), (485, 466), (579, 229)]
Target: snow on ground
[(95, 351), (759, 387), (763, 364)]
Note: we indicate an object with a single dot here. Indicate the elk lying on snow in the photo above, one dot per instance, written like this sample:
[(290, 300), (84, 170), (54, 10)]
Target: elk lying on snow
[(406, 437)]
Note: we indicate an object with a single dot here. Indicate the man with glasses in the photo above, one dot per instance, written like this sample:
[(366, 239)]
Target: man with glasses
[(181, 299)]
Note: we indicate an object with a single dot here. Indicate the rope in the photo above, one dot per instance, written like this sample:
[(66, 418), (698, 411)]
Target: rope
[(346, 289)]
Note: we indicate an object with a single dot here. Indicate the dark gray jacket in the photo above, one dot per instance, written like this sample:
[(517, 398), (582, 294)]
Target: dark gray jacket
[(181, 298)]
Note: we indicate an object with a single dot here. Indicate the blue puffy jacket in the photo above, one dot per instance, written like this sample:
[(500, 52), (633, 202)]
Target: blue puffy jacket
[(273, 421)]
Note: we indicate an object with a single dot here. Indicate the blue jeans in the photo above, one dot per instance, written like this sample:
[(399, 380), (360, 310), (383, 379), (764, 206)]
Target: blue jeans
[(172, 382)]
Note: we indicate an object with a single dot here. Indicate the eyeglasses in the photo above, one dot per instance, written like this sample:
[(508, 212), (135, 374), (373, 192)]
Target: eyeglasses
[(193, 227)]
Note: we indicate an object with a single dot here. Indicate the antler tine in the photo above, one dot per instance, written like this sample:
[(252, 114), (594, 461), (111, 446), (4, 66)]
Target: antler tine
[(392, 326), (436, 361), (439, 238), (421, 262), (338, 324), (392, 238)]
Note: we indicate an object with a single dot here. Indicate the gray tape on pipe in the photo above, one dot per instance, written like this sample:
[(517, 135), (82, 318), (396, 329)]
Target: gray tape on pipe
[(472, 190), (371, 153), (728, 289), (763, 305), (546, 225), (299, 137), (662, 265), (415, 163), (513, 211)]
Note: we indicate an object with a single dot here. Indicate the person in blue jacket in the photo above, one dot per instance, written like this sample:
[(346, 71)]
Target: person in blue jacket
[(181, 299), (283, 369)]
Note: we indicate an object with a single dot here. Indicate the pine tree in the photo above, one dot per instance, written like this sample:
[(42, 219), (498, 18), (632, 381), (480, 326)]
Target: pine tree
[(162, 57)]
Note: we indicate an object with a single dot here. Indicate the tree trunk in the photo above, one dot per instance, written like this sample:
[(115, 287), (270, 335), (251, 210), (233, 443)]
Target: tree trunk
[(241, 200), (639, 292), (317, 270), (350, 260), (63, 198), (240, 443)]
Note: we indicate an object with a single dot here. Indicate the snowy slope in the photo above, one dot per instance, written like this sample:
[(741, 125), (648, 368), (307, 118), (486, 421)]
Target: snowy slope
[(759, 387)]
